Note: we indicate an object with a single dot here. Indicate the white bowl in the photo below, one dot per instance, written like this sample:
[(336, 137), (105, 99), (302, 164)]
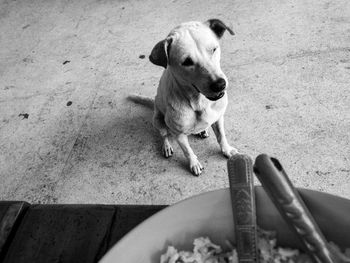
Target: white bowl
[(210, 214)]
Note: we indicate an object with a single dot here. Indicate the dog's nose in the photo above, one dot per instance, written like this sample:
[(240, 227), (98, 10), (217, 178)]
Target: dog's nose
[(218, 85)]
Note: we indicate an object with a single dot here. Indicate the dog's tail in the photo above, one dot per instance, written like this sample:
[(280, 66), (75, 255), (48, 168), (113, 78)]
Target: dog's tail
[(146, 101)]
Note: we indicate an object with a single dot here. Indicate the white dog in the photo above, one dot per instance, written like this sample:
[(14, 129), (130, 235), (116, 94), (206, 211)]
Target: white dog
[(191, 95)]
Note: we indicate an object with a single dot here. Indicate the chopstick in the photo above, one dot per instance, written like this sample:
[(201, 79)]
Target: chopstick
[(290, 205), (240, 173)]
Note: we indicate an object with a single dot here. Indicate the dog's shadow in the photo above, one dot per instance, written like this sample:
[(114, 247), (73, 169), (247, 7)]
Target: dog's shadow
[(140, 135), (130, 142)]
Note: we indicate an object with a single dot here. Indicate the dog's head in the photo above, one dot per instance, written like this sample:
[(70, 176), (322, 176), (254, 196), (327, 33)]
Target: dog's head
[(192, 53)]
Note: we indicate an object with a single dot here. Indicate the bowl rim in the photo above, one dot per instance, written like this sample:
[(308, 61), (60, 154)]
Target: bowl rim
[(145, 222)]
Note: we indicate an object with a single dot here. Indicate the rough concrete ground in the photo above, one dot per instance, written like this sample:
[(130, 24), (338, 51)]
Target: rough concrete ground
[(68, 135)]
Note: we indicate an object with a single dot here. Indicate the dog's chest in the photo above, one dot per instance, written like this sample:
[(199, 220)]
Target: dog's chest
[(206, 117), (181, 118)]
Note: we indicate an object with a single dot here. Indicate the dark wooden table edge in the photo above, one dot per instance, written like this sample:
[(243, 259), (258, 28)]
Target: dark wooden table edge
[(123, 218), (10, 220)]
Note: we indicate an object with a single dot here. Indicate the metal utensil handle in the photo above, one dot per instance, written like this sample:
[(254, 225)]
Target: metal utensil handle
[(240, 173), (288, 201)]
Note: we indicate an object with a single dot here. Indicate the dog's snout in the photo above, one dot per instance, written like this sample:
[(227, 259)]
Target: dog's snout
[(218, 85)]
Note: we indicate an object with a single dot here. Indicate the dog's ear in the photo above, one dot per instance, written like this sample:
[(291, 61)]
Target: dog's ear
[(218, 27), (160, 53)]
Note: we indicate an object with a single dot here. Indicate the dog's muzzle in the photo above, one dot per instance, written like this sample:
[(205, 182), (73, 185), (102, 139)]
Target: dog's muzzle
[(212, 98), (218, 85), (219, 96)]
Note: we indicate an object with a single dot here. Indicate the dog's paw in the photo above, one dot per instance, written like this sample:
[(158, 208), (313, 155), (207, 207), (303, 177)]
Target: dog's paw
[(229, 151), (167, 150), (204, 134), (196, 167)]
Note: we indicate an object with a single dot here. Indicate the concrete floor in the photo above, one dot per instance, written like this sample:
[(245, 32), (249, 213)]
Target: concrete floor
[(68, 135)]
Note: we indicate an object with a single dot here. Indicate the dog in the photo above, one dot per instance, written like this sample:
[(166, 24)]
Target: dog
[(191, 94)]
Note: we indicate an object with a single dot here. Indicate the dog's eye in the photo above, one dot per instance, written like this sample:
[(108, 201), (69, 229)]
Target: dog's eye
[(213, 50), (188, 62)]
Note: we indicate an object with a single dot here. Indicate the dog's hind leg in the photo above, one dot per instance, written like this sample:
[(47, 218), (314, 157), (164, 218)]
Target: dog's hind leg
[(167, 149), (160, 125), (203, 134)]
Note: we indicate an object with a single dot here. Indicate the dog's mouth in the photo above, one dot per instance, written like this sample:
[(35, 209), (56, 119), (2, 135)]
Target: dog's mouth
[(217, 97)]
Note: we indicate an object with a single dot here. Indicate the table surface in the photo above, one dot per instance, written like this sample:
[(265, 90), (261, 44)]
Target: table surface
[(64, 233)]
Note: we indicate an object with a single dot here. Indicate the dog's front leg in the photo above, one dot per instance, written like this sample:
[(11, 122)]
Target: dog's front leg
[(218, 128), (195, 165)]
